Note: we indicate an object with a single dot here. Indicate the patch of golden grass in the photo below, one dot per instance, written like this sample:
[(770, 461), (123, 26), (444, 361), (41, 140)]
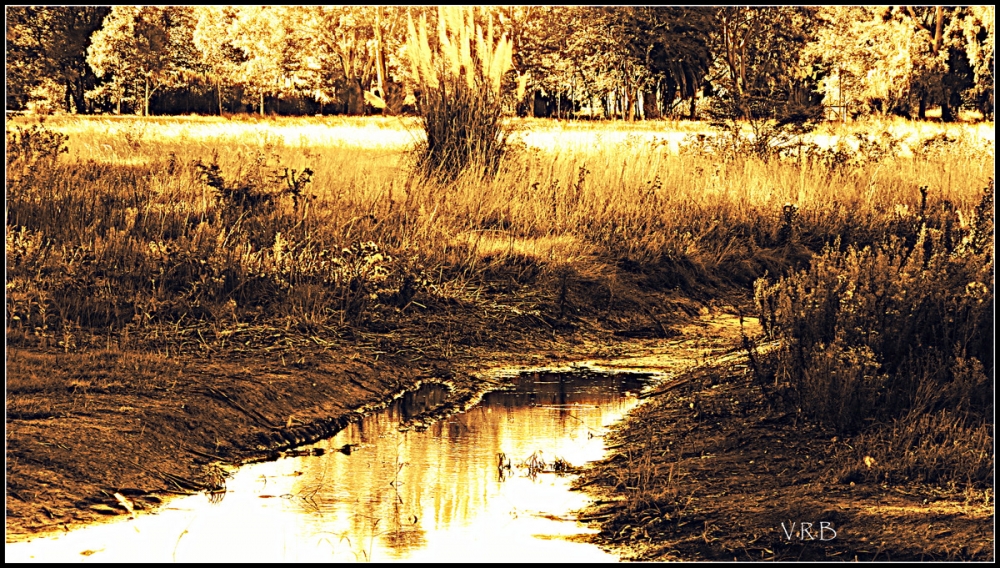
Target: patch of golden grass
[(586, 195), (549, 252)]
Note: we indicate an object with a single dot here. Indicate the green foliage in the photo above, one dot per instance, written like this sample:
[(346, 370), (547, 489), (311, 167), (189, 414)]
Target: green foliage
[(258, 190), (671, 42), (272, 48), (900, 59), (761, 85), (775, 127), (976, 36), (871, 56), (758, 56), (48, 44), (141, 50), (873, 59)]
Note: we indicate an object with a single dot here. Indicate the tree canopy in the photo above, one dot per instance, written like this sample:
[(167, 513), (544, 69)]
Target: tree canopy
[(624, 61)]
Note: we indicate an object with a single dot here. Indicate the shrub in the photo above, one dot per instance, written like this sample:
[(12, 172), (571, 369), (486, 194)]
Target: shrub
[(257, 191), (884, 331), (30, 150), (459, 103), (775, 128)]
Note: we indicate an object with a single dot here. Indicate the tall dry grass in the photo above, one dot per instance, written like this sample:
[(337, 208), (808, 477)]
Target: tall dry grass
[(128, 229), (459, 74)]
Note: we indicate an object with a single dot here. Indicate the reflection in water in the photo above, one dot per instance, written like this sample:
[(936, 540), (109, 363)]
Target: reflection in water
[(432, 495), (414, 489)]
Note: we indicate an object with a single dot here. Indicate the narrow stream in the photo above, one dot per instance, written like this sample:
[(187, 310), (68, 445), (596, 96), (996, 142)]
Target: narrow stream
[(381, 492)]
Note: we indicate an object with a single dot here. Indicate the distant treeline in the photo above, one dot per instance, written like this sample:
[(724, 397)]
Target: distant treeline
[(607, 62)]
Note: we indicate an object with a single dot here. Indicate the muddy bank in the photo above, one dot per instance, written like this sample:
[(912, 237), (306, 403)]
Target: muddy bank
[(709, 470), (150, 421), (705, 470)]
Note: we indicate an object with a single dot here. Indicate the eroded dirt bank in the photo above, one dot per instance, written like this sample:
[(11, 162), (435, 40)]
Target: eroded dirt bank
[(704, 470), (145, 423)]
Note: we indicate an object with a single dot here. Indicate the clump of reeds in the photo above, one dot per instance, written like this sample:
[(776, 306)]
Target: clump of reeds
[(460, 77)]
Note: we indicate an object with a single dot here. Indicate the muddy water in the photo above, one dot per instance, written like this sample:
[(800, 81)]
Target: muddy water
[(396, 487)]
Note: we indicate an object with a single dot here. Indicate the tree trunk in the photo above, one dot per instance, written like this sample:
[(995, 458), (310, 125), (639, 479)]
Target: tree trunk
[(938, 27), (80, 96), (380, 69), (262, 103), (539, 108), (355, 98), (695, 88), (946, 114), (75, 100), (649, 107), (68, 98), (922, 108), (145, 102)]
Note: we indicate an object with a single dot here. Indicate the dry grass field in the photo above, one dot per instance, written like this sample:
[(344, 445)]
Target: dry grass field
[(583, 199), (865, 249)]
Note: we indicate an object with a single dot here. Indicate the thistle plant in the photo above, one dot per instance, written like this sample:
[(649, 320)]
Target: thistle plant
[(459, 75)]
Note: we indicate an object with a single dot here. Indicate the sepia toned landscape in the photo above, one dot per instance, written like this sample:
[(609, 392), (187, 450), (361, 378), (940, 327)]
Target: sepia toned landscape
[(407, 259)]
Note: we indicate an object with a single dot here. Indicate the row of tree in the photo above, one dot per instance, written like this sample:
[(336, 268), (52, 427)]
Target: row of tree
[(630, 62)]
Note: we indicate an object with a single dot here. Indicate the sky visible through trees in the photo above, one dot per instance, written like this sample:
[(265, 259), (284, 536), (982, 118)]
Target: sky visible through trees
[(610, 62)]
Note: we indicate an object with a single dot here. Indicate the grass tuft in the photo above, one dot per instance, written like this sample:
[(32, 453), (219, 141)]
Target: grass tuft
[(459, 102)]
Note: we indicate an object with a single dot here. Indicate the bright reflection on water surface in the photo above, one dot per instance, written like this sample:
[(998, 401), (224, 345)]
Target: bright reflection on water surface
[(432, 495)]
